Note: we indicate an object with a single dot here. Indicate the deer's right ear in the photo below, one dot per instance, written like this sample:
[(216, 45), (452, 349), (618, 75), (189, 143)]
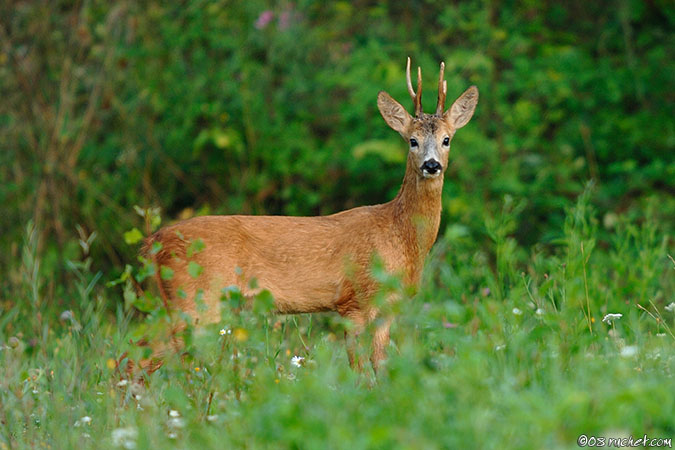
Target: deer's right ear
[(394, 114)]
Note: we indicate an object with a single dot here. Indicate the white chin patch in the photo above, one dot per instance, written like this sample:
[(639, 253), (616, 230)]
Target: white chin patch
[(426, 174)]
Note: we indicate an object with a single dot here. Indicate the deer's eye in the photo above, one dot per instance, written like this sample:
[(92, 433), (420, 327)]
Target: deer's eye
[(446, 141), (413, 142)]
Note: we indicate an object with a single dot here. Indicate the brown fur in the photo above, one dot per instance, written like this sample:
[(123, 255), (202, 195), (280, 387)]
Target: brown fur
[(313, 264)]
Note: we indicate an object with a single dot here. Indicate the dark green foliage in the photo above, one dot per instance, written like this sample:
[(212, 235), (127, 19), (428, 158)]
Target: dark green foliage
[(206, 107), (558, 209)]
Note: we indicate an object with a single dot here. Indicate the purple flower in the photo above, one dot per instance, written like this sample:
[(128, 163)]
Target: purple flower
[(284, 20), (447, 324), (264, 19)]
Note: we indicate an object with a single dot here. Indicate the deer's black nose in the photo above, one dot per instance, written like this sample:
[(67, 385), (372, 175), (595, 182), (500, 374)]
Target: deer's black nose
[(431, 166)]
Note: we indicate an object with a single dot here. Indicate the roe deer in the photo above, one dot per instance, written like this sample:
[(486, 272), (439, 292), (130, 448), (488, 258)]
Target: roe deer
[(313, 264)]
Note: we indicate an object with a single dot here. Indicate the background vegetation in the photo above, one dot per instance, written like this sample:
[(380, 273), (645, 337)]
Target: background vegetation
[(558, 209)]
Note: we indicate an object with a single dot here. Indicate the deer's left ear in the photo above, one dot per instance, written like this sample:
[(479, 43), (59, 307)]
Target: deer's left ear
[(461, 111)]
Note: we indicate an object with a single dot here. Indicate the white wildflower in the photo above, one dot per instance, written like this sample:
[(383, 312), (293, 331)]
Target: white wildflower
[(539, 311), (670, 307), (609, 317), (224, 331), (517, 311), (660, 334), (86, 420), (176, 422), (122, 383), (68, 316), (212, 417), (629, 351), (172, 435), (125, 437), (174, 413), (500, 347), (653, 355), (298, 361)]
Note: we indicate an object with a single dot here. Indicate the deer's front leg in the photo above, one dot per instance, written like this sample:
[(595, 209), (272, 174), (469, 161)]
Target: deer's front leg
[(352, 344), (380, 342)]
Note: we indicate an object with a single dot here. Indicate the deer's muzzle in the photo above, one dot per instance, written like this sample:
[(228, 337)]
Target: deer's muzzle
[(431, 168)]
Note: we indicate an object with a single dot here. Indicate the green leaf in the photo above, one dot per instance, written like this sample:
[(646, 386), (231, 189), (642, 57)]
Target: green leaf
[(129, 295), (232, 295), (166, 273), (195, 247), (133, 236), (146, 303), (156, 247), (194, 269), (264, 302), (126, 275), (147, 270)]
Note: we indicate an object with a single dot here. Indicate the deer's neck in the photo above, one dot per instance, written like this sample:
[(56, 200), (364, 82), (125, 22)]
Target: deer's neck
[(417, 208)]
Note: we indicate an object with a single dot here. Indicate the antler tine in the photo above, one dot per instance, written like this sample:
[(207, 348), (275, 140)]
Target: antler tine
[(415, 96), (418, 98), (442, 90), (411, 91)]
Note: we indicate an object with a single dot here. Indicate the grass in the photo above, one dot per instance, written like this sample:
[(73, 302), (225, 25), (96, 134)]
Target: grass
[(502, 348)]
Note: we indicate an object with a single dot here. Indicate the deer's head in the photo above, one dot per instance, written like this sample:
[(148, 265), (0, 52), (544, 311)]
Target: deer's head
[(428, 135)]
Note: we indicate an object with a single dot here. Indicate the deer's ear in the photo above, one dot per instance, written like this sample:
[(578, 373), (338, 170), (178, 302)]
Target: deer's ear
[(394, 114), (461, 111)]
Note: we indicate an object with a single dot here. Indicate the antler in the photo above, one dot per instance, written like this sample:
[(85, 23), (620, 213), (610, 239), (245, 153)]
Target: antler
[(442, 90), (416, 97)]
